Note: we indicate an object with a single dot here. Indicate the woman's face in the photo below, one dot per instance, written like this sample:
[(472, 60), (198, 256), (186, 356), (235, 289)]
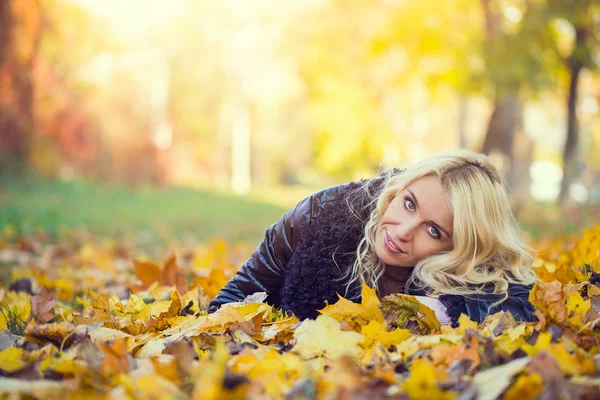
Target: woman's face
[(417, 224)]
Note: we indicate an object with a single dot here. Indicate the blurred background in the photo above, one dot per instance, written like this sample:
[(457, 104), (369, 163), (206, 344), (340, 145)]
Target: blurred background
[(193, 119)]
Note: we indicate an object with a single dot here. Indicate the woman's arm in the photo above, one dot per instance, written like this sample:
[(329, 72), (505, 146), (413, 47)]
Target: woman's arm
[(476, 306), (263, 272)]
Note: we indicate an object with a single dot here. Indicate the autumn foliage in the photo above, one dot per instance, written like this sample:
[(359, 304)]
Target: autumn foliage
[(93, 320)]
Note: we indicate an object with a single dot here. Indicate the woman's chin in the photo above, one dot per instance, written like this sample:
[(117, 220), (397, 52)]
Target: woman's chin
[(384, 256)]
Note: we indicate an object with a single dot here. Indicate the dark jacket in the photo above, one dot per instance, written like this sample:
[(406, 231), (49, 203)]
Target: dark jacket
[(301, 262)]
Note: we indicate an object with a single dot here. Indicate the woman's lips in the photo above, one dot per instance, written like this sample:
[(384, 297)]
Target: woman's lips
[(390, 245)]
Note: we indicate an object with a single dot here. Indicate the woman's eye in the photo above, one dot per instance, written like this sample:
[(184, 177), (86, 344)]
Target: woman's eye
[(434, 232), (409, 204)]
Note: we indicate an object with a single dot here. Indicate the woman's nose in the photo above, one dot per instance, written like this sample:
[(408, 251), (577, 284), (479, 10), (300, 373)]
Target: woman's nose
[(405, 230)]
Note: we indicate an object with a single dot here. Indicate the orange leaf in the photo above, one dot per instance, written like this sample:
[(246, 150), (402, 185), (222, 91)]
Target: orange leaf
[(116, 357), (167, 275)]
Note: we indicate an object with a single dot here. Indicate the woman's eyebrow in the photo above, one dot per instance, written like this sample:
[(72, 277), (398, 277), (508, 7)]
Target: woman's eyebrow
[(432, 222)]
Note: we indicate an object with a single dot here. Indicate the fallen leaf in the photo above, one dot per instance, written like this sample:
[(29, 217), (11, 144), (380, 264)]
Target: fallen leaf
[(11, 360), (423, 380), (549, 299), (42, 306), (356, 315), (489, 384), (323, 337), (116, 357), (527, 387), (62, 335), (166, 275), (399, 309), (375, 332)]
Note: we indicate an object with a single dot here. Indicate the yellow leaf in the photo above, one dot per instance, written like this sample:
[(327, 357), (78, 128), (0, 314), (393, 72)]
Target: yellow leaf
[(577, 308), (210, 374), (587, 248), (101, 306), (11, 359), (155, 386), (356, 315), (570, 364), (527, 387), (375, 332), (423, 380), (323, 337), (64, 365), (213, 283)]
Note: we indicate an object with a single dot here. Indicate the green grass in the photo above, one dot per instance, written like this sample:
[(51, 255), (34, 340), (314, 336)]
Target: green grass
[(158, 215), (30, 205)]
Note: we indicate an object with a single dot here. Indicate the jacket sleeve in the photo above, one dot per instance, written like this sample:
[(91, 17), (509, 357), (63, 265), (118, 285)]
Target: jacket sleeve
[(263, 272), (476, 306)]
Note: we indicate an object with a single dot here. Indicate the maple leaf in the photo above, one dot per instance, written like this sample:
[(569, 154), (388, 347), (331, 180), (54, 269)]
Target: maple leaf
[(356, 315), (375, 332), (166, 275), (323, 337), (549, 299), (42, 306)]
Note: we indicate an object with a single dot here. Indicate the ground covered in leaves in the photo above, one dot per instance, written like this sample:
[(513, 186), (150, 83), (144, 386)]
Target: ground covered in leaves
[(90, 318)]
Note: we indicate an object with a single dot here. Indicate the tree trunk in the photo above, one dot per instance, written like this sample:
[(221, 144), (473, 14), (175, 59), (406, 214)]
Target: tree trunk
[(499, 140), (16, 81), (570, 150), (505, 142)]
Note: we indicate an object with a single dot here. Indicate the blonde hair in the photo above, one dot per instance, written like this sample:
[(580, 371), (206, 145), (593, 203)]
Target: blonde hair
[(488, 250)]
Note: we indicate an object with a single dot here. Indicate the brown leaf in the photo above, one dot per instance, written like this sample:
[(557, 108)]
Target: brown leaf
[(544, 364), (167, 275), (184, 353), (42, 306)]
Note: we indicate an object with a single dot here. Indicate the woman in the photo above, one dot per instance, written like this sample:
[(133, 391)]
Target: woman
[(442, 230)]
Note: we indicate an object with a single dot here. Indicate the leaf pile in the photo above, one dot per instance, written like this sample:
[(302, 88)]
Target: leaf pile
[(92, 320)]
